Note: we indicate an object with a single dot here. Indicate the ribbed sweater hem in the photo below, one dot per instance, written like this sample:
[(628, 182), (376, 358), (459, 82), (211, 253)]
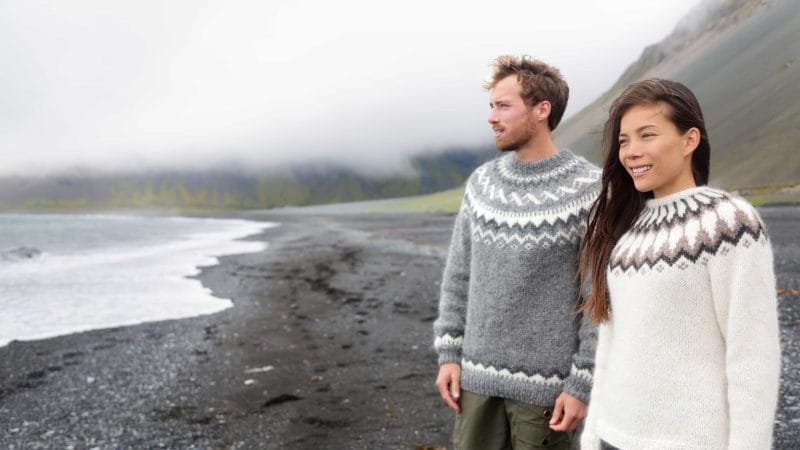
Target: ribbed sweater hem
[(507, 386), (624, 441)]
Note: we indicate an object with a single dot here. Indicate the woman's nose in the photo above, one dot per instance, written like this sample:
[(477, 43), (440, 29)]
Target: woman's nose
[(630, 151)]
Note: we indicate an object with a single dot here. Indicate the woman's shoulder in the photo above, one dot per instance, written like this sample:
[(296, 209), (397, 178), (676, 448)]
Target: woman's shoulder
[(729, 207), (701, 220), (731, 219)]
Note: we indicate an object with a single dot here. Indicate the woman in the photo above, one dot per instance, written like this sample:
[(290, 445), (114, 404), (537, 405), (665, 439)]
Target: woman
[(684, 290)]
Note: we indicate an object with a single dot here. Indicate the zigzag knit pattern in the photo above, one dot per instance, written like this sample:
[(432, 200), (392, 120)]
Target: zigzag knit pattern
[(510, 209), (555, 379), (509, 291), (686, 231)]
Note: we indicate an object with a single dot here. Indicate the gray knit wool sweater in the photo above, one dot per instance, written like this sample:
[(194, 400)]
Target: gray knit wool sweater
[(507, 311)]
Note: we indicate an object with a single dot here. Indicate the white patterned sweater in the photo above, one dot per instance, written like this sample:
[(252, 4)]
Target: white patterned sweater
[(507, 310), (690, 358)]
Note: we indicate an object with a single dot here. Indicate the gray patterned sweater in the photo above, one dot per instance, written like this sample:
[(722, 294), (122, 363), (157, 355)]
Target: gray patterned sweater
[(507, 311)]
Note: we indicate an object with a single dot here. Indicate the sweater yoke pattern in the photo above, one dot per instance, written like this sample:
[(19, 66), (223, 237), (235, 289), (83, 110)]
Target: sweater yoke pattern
[(520, 232), (686, 232), (507, 213)]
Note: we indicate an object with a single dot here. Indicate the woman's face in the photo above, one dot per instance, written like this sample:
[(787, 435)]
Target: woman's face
[(654, 152)]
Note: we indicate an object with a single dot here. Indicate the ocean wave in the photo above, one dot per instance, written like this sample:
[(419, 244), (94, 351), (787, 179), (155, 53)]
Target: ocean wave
[(20, 254)]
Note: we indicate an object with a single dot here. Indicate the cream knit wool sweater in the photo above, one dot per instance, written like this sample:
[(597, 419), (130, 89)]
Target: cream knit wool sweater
[(690, 358)]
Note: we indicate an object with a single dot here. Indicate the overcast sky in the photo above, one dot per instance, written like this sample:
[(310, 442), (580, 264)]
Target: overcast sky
[(119, 85)]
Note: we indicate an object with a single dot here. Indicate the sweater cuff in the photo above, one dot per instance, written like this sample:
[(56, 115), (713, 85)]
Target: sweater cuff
[(579, 384), (449, 348), (449, 357)]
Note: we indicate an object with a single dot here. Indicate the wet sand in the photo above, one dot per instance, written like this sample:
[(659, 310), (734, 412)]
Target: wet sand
[(328, 345)]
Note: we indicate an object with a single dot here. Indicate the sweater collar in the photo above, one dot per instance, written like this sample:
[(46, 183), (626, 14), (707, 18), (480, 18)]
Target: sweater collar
[(673, 198), (527, 168)]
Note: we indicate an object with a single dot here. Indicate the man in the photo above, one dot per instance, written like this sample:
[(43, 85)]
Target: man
[(516, 360)]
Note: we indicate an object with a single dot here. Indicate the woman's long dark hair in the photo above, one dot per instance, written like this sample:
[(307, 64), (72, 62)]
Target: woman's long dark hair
[(619, 203)]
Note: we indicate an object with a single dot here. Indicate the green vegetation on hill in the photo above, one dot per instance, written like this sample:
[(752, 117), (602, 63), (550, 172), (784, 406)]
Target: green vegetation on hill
[(215, 190), (439, 202)]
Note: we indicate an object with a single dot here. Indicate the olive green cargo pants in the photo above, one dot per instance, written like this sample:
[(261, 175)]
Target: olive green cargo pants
[(488, 423)]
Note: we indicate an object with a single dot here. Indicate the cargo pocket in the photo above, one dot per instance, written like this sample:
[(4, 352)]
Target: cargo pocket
[(531, 429)]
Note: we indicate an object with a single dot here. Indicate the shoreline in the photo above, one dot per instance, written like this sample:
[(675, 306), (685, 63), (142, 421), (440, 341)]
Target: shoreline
[(326, 305), (328, 345), (62, 274)]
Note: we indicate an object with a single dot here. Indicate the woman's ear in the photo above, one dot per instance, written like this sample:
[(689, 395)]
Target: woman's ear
[(691, 140)]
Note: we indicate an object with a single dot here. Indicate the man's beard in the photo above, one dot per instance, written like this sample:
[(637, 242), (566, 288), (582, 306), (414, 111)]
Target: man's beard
[(509, 148), (517, 143)]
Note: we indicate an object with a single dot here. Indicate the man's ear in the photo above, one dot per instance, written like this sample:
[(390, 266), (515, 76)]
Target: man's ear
[(542, 110), (691, 139)]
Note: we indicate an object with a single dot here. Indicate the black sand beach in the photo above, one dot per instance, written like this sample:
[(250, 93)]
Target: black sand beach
[(328, 345)]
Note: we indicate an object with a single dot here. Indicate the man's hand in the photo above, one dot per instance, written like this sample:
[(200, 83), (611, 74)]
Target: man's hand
[(449, 384), (568, 413)]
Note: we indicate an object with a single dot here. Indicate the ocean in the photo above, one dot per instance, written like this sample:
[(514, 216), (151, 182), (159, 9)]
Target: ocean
[(62, 274)]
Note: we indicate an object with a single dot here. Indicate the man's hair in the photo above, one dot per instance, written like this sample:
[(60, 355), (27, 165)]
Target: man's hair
[(539, 82)]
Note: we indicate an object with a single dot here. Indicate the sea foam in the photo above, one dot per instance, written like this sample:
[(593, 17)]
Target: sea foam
[(121, 279)]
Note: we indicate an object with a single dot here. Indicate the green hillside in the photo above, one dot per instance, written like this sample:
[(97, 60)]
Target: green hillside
[(233, 189), (742, 60), (743, 63), (439, 202)]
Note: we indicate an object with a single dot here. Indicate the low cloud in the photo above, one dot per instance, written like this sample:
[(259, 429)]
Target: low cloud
[(125, 86)]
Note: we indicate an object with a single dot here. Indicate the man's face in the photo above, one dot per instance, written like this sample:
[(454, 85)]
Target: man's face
[(511, 119)]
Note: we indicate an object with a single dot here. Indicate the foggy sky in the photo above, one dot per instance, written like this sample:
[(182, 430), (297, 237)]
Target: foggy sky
[(191, 84)]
